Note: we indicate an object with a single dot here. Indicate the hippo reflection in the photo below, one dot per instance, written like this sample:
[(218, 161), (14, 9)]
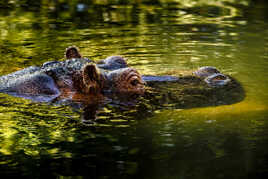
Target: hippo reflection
[(79, 79)]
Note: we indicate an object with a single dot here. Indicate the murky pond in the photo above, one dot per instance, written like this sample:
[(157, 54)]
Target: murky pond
[(161, 37)]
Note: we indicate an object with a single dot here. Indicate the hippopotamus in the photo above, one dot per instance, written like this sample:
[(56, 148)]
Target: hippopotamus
[(74, 75), (79, 75)]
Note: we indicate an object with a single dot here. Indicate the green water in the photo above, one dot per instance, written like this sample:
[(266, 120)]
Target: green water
[(39, 140)]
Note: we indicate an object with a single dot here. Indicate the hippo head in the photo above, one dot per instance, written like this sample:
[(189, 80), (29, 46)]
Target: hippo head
[(126, 81), (95, 80)]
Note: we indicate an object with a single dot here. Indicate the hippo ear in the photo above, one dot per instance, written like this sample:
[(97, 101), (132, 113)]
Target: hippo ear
[(91, 77), (72, 52)]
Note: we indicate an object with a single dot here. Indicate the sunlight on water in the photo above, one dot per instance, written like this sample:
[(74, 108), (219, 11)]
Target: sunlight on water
[(235, 109), (159, 137)]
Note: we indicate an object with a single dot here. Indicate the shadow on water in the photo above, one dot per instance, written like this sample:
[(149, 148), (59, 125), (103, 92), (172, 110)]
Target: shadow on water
[(186, 93)]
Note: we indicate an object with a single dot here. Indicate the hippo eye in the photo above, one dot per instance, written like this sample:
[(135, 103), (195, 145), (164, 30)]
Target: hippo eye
[(134, 82)]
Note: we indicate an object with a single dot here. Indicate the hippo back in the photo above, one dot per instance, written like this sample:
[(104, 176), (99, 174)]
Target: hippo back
[(59, 69), (5, 80), (29, 83)]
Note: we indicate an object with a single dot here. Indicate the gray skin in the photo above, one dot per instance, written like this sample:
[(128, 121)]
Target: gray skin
[(21, 83), (112, 63)]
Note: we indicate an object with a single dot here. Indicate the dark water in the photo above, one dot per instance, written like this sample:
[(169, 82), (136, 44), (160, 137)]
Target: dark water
[(39, 140)]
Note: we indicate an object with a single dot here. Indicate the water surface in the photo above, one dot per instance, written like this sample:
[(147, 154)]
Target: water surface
[(158, 37)]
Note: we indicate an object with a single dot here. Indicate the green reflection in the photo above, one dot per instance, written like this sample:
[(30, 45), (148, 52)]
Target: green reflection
[(157, 37)]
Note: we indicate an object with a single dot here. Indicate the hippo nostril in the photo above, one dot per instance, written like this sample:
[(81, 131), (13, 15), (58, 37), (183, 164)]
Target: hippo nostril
[(217, 79)]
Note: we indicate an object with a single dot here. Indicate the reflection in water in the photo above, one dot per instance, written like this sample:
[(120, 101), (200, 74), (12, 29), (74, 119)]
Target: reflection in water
[(150, 139), (187, 92), (89, 113)]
